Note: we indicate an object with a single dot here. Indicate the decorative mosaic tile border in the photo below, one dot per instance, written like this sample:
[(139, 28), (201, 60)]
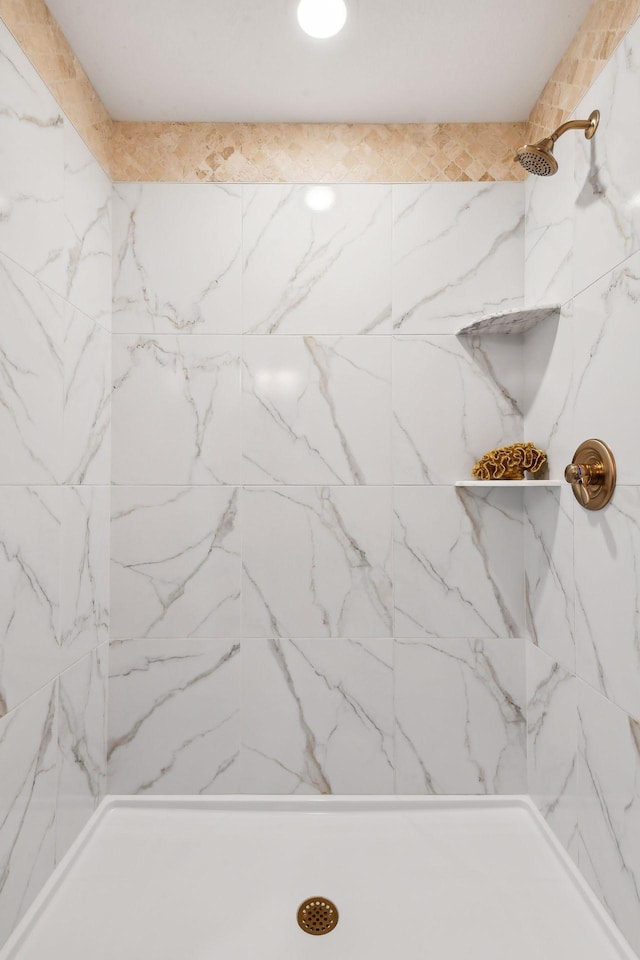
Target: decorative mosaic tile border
[(345, 153), (229, 152), (605, 25)]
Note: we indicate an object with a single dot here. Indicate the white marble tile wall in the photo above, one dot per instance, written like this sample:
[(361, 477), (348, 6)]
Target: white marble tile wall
[(552, 741), (309, 271), (317, 716), (55, 388), (460, 716), (583, 250), (271, 437), (174, 716), (176, 258), (457, 254), (609, 806)]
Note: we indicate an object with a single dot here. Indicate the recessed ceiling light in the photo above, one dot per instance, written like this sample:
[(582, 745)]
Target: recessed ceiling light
[(320, 198), (322, 18)]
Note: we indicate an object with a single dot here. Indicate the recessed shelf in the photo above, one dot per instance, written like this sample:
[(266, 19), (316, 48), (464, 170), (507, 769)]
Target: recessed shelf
[(511, 321), (508, 483)]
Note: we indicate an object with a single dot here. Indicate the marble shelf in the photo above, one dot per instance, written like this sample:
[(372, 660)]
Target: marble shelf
[(513, 321), (508, 483)]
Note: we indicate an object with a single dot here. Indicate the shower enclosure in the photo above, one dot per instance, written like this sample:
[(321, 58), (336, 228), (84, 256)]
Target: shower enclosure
[(241, 552)]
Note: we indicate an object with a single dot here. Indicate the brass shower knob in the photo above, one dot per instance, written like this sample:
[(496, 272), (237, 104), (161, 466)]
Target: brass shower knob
[(592, 474)]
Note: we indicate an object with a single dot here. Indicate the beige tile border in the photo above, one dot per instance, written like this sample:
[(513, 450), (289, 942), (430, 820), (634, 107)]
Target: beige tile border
[(227, 152), (606, 24), (292, 153)]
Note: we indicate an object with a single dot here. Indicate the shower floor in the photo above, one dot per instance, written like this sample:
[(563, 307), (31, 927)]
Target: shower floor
[(196, 879)]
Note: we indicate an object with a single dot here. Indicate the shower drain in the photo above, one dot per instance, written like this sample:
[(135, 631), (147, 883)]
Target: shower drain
[(317, 916)]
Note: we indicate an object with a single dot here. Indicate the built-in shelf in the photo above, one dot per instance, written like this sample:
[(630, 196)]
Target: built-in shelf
[(513, 321), (508, 483)]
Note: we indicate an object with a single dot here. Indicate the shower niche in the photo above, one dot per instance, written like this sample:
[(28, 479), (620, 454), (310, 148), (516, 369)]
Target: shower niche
[(517, 325)]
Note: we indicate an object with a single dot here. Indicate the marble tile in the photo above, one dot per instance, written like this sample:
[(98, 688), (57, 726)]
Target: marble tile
[(30, 533), (458, 562), (453, 400), (460, 724), (550, 204), (609, 807), (87, 401), (606, 348), (31, 168), (316, 410), (175, 562), (317, 716), (607, 213), (27, 804), (508, 322), (549, 389), (311, 271), (607, 547), (552, 744), (457, 253), (84, 570), (174, 722), (176, 258), (87, 209), (82, 746), (549, 577), (317, 562), (32, 329), (176, 409)]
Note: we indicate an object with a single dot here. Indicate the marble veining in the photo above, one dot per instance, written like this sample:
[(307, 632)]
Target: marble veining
[(608, 611), (87, 210), (316, 272), (549, 230), (27, 804), (30, 535), (609, 807), (475, 384), (509, 323), (317, 716), (82, 769), (549, 572), (176, 409), (31, 377), (316, 410), (607, 214), (175, 561), (174, 720), (457, 254), (317, 562), (552, 731), (458, 559), (460, 716), (84, 570), (31, 168), (606, 383), (176, 258), (86, 401), (549, 388)]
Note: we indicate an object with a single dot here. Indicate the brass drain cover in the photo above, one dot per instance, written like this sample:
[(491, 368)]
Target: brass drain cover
[(317, 916)]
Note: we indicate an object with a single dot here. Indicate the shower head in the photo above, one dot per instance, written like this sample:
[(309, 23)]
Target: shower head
[(538, 158)]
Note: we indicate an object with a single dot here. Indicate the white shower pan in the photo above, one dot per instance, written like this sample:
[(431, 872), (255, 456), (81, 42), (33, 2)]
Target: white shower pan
[(413, 878)]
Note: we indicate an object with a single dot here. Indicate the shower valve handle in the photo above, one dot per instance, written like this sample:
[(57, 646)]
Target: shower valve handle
[(580, 476), (592, 474)]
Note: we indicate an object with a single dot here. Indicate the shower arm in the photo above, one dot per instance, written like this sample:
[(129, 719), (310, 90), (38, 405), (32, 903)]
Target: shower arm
[(587, 125)]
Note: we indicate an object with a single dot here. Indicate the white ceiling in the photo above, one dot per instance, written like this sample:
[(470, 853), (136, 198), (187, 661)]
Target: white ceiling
[(397, 61)]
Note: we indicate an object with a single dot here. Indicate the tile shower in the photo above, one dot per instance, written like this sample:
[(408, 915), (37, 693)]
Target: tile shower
[(274, 407)]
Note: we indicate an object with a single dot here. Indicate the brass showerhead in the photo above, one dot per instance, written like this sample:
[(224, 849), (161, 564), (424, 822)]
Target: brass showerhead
[(538, 158)]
